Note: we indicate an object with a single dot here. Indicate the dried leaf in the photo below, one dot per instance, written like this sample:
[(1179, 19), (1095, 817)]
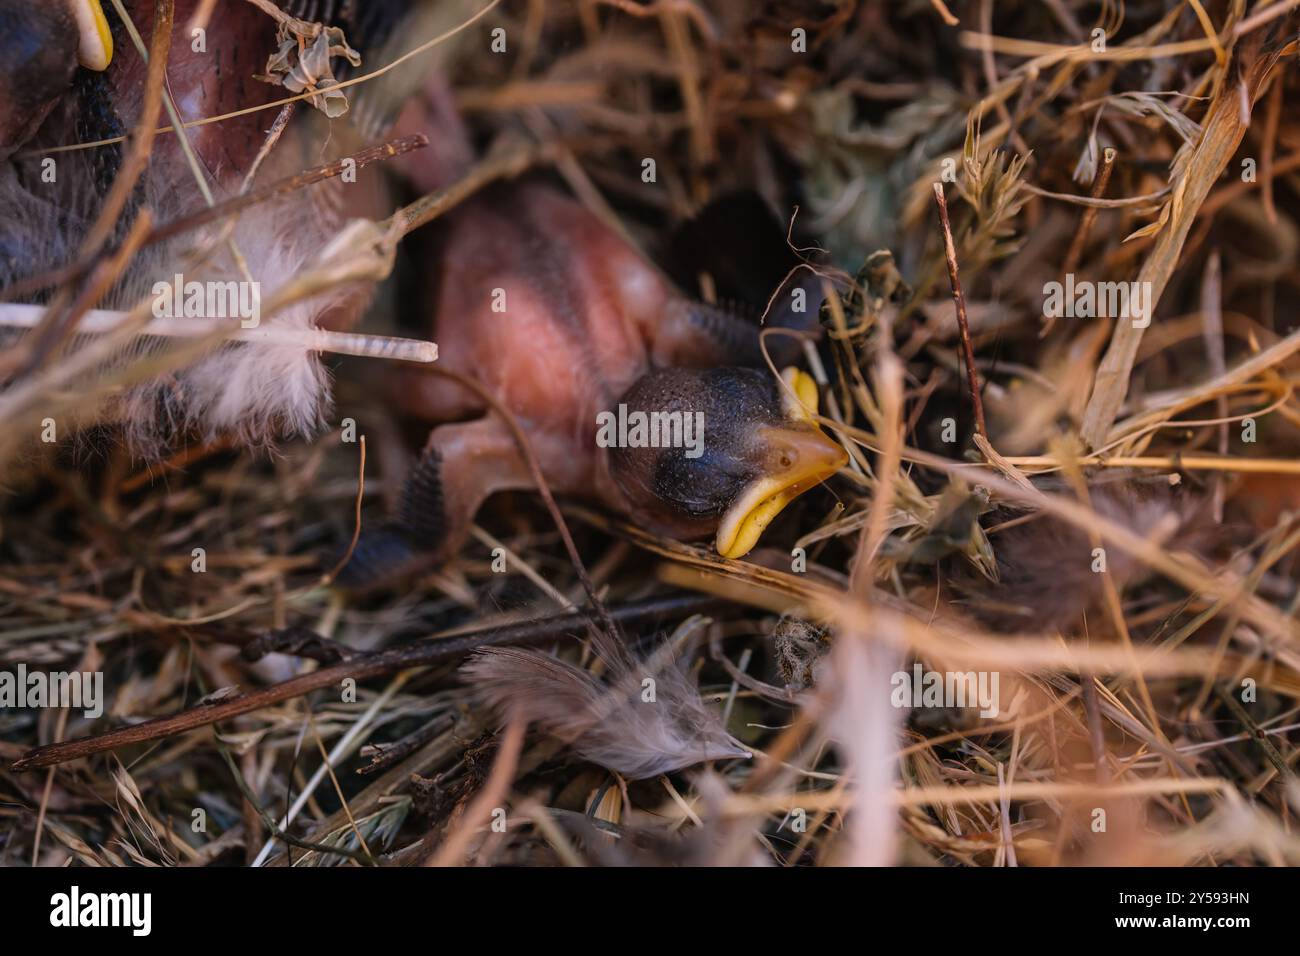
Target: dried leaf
[(302, 63)]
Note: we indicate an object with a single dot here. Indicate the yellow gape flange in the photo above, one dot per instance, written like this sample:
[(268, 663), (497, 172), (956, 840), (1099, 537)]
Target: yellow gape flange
[(804, 457), (803, 386), (95, 43)]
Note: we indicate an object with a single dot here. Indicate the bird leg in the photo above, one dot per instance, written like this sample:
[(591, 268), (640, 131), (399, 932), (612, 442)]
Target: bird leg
[(461, 466)]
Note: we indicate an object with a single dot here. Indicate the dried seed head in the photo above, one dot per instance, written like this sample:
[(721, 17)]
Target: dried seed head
[(799, 646)]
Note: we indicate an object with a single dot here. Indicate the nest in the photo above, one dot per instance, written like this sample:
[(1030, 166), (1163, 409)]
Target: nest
[(1046, 616)]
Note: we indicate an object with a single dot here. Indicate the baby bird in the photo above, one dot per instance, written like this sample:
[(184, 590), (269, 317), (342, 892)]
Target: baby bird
[(624, 387), (40, 45), (70, 74)]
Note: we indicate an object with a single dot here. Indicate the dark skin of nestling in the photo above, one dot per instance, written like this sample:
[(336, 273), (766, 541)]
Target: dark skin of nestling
[(561, 318), (38, 44), (48, 100)]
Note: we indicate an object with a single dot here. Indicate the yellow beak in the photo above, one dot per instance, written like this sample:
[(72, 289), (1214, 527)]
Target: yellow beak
[(95, 45), (807, 457)]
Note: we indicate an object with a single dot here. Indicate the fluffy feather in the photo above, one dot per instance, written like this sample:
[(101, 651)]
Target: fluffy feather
[(254, 391), (606, 722)]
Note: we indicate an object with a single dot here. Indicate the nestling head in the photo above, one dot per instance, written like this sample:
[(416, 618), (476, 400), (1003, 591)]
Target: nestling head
[(719, 451)]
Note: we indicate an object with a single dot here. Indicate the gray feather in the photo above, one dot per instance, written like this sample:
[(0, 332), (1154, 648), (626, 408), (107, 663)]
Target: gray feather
[(610, 723)]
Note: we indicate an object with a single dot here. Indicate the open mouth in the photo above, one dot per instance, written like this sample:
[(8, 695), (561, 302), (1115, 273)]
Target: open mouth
[(813, 458)]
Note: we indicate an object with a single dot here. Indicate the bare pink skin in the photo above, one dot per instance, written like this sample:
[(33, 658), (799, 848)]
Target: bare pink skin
[(584, 316), (581, 316)]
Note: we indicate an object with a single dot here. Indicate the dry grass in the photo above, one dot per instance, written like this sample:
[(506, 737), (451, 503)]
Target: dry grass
[(1122, 163)]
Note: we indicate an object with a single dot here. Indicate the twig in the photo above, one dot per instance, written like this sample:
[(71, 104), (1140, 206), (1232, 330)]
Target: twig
[(1004, 817), (143, 137), (333, 573), (1099, 183), (945, 14), (1096, 731), (222, 210), (1272, 113), (361, 667), (959, 300), (338, 791), (202, 14), (507, 166), (295, 641), (492, 795), (383, 757), (1256, 734)]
